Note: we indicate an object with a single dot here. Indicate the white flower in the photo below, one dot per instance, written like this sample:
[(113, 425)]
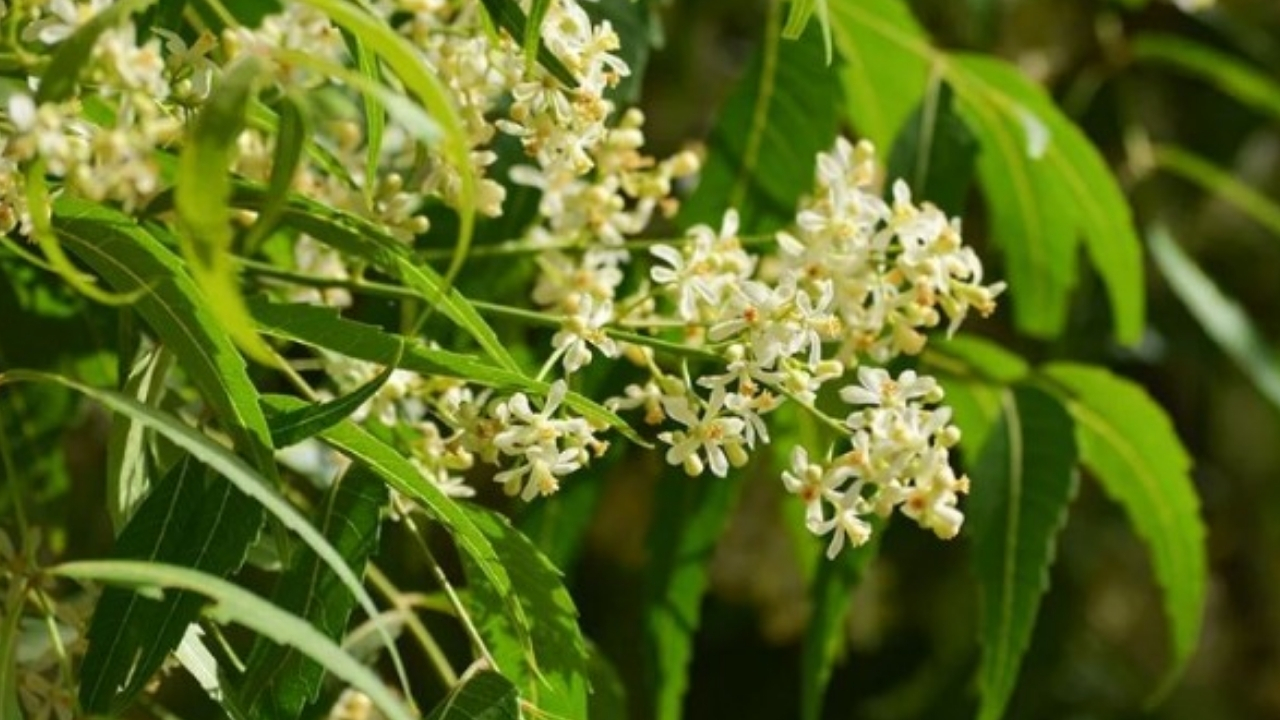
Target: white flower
[(583, 330), (815, 485), (719, 439), (877, 387)]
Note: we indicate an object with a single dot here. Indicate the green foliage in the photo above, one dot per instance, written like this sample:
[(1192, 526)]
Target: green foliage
[(1027, 478), (1127, 443)]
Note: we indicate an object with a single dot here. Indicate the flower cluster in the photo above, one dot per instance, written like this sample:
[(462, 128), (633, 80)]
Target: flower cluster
[(856, 282)]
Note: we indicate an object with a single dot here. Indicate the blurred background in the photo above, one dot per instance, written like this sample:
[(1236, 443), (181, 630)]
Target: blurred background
[(1100, 645)]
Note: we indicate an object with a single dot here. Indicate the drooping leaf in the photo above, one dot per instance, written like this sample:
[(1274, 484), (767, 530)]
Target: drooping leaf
[(935, 153), (552, 673), (1243, 82), (486, 695), (764, 145), (691, 514), (1032, 156), (292, 131), (279, 681), (403, 59), (234, 604), (1127, 442), (127, 477), (1022, 485), (1221, 317), (131, 260), (201, 198)]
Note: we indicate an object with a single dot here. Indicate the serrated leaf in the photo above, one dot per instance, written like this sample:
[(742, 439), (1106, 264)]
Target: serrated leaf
[(1128, 443), (935, 153), (1032, 157), (131, 260), (234, 604), (689, 514), (551, 673), (279, 682), (1022, 484), (781, 114), (486, 695), (228, 465), (298, 425), (324, 328), (831, 594), (201, 197), (1221, 317), (190, 520), (387, 463), (58, 81)]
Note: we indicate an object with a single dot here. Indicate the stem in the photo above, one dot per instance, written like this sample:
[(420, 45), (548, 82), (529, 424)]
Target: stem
[(463, 616), (509, 248), (398, 292), (439, 661)]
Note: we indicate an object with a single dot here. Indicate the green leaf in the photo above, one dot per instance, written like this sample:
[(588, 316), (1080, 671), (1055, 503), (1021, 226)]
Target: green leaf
[(131, 260), (886, 69), (978, 357), (1249, 85), (1222, 318), (359, 238), (234, 604), (279, 681), (486, 695), (533, 29), (508, 16), (798, 19), (1127, 442), (1073, 169), (1032, 158), (405, 61), (608, 699), (1022, 485), (764, 145), (975, 408), (1211, 178), (191, 520), (292, 131), (551, 674), (832, 596), (324, 328), (228, 465), (294, 427), (559, 528), (387, 463), (689, 514), (59, 79), (375, 117), (127, 479), (935, 152), (201, 199)]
